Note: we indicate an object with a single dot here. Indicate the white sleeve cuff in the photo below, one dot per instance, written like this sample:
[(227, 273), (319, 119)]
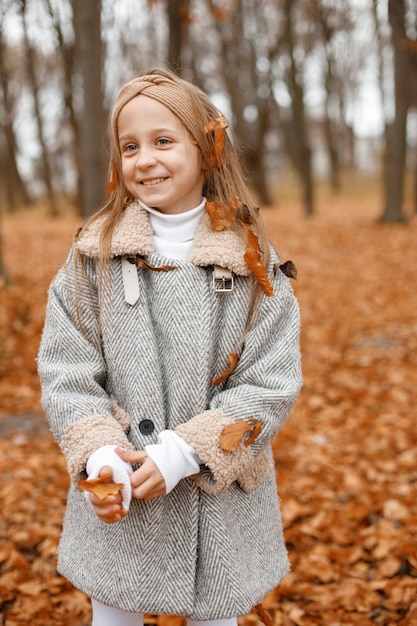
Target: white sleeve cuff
[(106, 455), (174, 458)]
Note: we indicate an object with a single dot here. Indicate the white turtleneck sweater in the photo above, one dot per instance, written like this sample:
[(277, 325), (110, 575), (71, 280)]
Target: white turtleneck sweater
[(173, 236)]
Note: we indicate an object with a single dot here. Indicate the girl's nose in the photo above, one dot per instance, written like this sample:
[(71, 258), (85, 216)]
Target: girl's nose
[(145, 158)]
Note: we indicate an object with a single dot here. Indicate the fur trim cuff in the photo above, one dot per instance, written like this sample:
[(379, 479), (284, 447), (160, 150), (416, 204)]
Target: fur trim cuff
[(203, 433), (84, 437)]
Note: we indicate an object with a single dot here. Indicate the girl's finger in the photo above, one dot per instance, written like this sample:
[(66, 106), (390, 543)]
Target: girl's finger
[(131, 456)]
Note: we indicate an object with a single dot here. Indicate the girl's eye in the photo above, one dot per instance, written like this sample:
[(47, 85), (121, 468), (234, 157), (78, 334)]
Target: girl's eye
[(163, 141)]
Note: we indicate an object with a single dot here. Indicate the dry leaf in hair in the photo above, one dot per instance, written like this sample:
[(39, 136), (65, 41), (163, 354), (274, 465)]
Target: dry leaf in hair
[(253, 260), (233, 360), (111, 186), (101, 487), (217, 127), (222, 216), (244, 214), (289, 269), (233, 434)]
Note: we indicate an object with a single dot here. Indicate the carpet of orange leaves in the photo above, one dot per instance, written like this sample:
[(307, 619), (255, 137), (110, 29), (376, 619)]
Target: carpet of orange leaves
[(346, 459)]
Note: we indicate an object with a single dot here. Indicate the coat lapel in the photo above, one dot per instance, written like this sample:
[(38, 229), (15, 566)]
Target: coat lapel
[(133, 236)]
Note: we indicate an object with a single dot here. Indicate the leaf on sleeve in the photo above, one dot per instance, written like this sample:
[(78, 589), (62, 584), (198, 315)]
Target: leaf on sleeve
[(233, 434), (233, 360), (101, 487), (253, 260)]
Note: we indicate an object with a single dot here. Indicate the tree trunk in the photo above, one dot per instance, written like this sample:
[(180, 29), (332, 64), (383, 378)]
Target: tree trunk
[(87, 22), (397, 131), (178, 21), (4, 276), (331, 83), (240, 77), (15, 191), (67, 52), (302, 150), (415, 189), (30, 66)]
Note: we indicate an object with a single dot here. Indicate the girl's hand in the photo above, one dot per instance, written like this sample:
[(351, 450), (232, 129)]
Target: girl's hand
[(147, 481), (108, 509)]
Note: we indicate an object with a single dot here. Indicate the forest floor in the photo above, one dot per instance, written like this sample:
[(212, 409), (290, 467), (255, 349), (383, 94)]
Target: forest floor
[(346, 459)]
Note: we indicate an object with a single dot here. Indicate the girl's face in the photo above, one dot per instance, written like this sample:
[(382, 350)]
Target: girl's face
[(160, 163)]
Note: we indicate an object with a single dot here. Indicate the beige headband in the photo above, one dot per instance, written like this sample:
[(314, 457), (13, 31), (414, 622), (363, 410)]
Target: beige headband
[(183, 101)]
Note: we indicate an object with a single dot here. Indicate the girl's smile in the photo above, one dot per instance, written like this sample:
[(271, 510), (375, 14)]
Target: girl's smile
[(161, 164)]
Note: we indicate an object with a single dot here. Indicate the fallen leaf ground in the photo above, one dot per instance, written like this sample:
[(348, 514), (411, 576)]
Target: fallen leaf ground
[(346, 459)]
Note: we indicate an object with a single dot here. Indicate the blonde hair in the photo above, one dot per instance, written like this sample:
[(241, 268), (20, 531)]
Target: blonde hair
[(224, 180)]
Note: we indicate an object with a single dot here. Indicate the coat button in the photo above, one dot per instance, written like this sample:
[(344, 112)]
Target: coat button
[(146, 427)]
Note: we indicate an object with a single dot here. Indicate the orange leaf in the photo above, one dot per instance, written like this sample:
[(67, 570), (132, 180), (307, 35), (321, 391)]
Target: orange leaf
[(217, 127), (222, 216), (185, 15), (101, 487), (111, 186), (139, 262), (233, 360), (233, 434), (257, 428), (220, 14), (289, 269), (263, 615), (253, 260)]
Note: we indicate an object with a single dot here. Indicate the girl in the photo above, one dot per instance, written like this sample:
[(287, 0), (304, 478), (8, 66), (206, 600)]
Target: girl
[(169, 361)]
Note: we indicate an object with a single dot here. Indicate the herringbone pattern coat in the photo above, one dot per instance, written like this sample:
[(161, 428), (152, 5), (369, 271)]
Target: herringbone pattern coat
[(201, 552)]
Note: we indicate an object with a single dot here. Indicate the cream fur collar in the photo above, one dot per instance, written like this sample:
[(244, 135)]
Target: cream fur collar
[(133, 235)]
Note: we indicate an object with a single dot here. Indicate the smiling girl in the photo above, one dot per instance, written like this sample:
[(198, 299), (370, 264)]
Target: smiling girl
[(169, 361)]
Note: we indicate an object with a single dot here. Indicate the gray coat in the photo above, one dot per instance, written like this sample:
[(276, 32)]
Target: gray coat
[(213, 547)]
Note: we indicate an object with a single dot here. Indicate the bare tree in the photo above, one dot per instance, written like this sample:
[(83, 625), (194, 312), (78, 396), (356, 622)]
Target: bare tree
[(397, 131), (226, 46), (87, 21), (66, 59), (178, 23), (31, 63), (299, 145), (329, 20), (13, 190)]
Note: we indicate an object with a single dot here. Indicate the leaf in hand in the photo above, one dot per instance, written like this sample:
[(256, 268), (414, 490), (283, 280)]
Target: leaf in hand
[(233, 434), (101, 487)]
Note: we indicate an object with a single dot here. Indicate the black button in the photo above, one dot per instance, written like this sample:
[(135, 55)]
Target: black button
[(146, 427)]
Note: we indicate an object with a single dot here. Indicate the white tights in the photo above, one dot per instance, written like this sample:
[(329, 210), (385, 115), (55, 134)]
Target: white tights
[(104, 615)]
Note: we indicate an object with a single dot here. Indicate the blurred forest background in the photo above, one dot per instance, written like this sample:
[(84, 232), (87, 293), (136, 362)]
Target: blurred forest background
[(315, 87), (322, 95)]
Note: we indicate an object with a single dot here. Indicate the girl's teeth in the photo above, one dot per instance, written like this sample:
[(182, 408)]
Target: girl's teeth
[(152, 182)]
